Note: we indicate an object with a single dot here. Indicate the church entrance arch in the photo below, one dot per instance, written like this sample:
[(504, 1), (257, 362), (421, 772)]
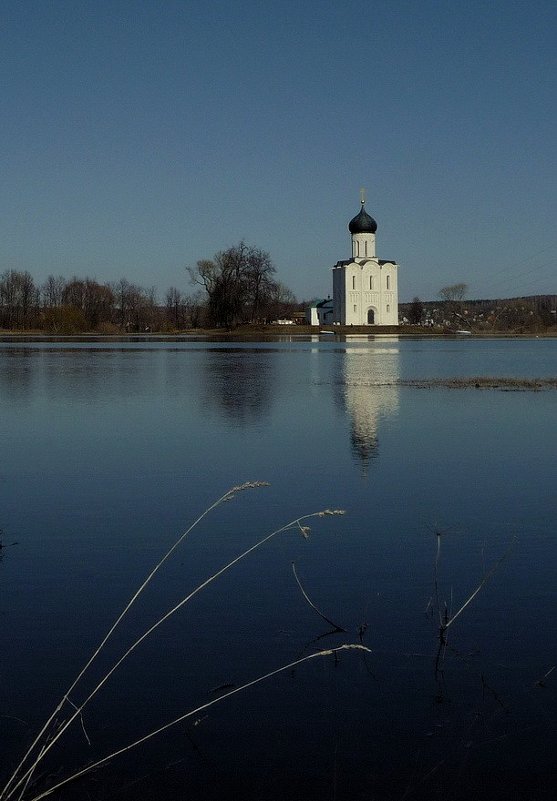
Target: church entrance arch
[(371, 316)]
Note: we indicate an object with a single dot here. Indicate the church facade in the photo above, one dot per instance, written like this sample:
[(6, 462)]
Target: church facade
[(365, 288)]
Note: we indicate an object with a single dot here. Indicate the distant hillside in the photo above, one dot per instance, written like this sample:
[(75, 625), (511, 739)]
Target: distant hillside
[(531, 313)]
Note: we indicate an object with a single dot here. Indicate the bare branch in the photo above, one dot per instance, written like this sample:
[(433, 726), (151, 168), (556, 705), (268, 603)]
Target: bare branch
[(313, 606)]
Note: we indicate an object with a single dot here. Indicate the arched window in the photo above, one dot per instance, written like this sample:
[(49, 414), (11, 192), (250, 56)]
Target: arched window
[(353, 282), (371, 282), (388, 282), (365, 247)]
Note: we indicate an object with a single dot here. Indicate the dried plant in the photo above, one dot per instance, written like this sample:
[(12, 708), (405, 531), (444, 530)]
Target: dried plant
[(336, 627), (445, 615), (54, 728), (99, 763)]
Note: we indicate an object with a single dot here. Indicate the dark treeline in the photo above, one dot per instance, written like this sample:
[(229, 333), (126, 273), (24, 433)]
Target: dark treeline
[(238, 287), (65, 306)]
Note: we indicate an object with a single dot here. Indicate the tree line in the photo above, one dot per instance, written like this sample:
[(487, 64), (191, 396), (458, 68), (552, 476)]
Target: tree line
[(237, 286)]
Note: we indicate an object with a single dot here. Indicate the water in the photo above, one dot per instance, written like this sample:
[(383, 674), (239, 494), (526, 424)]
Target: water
[(109, 449)]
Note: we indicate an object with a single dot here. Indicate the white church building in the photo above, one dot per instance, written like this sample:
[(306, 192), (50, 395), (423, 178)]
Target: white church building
[(365, 288)]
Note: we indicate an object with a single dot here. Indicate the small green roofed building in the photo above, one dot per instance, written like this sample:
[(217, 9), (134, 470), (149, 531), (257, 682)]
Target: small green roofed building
[(320, 312)]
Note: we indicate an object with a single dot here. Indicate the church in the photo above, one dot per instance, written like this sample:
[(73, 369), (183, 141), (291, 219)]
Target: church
[(365, 288)]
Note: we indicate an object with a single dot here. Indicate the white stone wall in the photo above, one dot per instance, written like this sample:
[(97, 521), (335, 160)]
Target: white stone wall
[(364, 284), (311, 316), (320, 315), (363, 246)]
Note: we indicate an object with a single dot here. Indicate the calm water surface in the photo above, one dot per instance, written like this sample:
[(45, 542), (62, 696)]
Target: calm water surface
[(110, 448)]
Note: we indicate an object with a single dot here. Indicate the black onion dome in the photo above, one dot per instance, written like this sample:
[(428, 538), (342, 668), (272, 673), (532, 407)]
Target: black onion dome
[(362, 223)]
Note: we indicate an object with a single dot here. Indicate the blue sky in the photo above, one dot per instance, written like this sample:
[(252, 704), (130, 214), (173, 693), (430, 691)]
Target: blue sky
[(139, 137)]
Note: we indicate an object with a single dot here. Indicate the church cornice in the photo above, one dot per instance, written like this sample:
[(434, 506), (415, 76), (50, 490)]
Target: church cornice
[(357, 262)]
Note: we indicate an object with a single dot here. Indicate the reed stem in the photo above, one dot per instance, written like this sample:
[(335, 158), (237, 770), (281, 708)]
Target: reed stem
[(6, 791), (197, 710)]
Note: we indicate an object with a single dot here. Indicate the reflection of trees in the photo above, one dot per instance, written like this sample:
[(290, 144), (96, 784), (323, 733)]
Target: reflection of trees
[(368, 392), (84, 375), (240, 382), (17, 376)]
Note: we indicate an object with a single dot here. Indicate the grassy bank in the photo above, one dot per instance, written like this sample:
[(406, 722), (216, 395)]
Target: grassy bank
[(503, 383)]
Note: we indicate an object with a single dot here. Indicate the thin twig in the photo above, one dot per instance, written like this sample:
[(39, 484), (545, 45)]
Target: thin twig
[(541, 682), (335, 626), (28, 779), (69, 700), (482, 584), (436, 573)]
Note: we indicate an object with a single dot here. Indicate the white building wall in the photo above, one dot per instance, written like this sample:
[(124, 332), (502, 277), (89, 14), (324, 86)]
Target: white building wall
[(363, 246), (320, 315), (362, 285), (389, 294)]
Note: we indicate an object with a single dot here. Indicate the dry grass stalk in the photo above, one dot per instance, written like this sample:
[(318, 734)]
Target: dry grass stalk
[(451, 619), (228, 495), (46, 739), (328, 652), (446, 617), (335, 626), (444, 611)]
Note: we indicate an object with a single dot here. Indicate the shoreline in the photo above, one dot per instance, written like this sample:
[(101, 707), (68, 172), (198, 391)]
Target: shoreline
[(293, 331)]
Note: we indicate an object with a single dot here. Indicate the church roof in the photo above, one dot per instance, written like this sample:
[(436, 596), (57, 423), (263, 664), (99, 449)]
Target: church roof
[(381, 262), (362, 223)]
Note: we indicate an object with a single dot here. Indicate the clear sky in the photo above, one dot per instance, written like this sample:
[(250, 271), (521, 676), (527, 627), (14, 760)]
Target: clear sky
[(138, 137)]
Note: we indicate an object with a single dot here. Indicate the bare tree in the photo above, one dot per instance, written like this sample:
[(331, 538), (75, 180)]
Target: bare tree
[(98, 303), (279, 302), (122, 301), (74, 293), (195, 309), (19, 299), (454, 292), (222, 279), (175, 307), (52, 291), (237, 281), (258, 281), (28, 297), (453, 296)]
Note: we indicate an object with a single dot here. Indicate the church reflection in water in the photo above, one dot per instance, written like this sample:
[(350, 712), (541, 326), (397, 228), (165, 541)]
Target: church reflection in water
[(369, 393)]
